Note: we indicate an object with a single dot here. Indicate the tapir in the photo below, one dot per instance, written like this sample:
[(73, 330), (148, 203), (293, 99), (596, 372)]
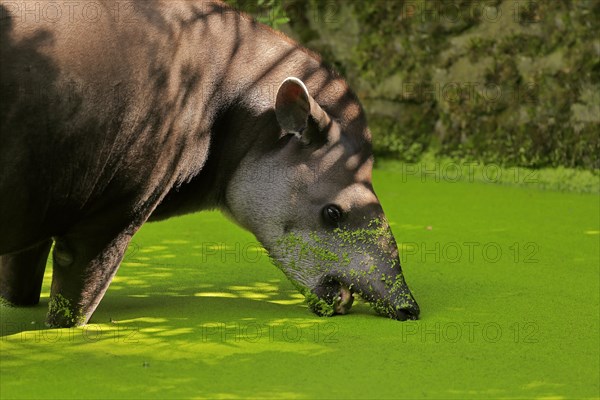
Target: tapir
[(116, 113)]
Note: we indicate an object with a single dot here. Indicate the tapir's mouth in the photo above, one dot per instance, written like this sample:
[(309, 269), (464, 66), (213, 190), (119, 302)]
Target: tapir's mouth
[(343, 300), (335, 298)]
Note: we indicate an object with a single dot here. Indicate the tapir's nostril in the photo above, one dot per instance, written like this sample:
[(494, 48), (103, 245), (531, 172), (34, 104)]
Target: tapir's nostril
[(401, 315), (408, 313)]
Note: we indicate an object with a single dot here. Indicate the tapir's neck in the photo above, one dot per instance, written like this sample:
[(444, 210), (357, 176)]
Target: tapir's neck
[(243, 64)]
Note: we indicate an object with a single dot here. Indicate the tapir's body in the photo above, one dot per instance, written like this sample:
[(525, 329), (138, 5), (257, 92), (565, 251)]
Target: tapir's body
[(110, 126), (112, 113)]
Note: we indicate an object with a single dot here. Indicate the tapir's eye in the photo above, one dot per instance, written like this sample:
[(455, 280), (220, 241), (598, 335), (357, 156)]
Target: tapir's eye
[(332, 214)]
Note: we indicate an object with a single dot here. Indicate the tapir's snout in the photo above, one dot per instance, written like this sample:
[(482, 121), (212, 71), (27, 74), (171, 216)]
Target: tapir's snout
[(395, 299), (386, 290), (410, 311), (375, 273), (329, 269)]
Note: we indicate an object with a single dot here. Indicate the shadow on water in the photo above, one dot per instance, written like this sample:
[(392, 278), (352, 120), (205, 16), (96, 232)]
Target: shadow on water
[(159, 295), (156, 320)]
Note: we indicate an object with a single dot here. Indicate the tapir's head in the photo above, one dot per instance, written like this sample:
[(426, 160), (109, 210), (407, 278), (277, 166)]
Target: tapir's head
[(310, 201)]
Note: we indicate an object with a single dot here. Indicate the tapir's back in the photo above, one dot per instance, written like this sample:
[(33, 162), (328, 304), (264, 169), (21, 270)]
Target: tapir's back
[(97, 98)]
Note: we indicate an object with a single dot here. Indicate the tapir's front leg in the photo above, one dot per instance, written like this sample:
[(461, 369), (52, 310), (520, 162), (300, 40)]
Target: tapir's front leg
[(84, 262), (22, 273)]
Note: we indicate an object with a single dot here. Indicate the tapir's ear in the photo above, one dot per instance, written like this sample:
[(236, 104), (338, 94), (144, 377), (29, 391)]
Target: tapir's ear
[(294, 105)]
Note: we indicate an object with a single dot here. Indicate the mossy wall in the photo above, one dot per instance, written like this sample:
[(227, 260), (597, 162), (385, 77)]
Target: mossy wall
[(514, 82)]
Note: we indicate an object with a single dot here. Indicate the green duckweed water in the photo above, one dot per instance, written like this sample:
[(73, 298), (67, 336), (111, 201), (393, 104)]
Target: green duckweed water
[(507, 279)]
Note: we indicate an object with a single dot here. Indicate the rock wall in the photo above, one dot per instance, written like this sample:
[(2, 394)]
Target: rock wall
[(514, 82)]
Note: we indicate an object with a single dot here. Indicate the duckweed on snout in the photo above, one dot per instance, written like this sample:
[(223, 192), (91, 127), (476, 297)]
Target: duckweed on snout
[(360, 259)]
